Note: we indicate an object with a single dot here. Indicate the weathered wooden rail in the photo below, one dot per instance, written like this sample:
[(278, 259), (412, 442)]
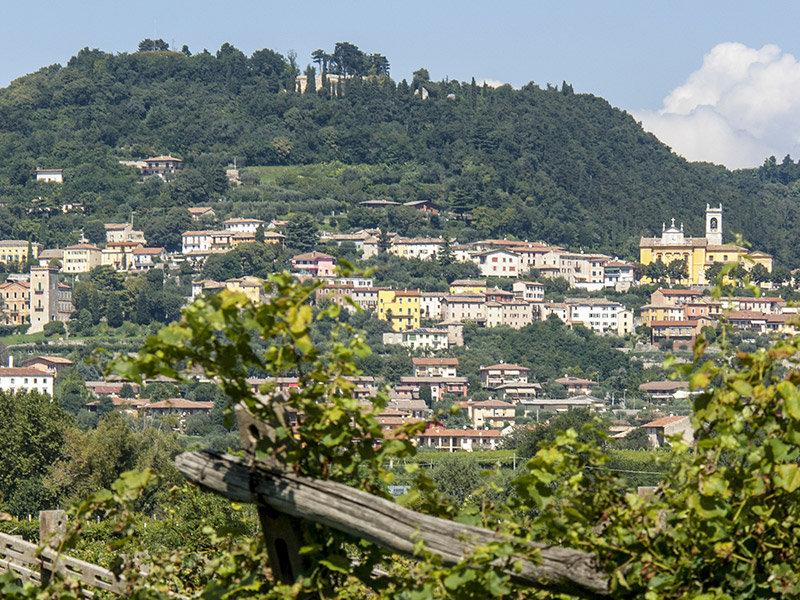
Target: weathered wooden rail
[(380, 521), (32, 564)]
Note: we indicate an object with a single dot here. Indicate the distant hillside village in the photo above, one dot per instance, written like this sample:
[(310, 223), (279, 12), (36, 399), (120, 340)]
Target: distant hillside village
[(429, 324)]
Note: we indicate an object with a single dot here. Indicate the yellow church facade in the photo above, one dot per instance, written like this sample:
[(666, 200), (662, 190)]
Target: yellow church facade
[(699, 253)]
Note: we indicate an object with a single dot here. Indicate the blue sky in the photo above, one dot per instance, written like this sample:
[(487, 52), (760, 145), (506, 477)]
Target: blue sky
[(634, 54)]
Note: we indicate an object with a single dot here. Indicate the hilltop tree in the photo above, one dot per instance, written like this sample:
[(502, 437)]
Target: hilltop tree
[(148, 45)]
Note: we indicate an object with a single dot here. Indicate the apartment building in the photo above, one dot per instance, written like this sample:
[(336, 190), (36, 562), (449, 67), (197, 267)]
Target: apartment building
[(81, 258), (400, 307)]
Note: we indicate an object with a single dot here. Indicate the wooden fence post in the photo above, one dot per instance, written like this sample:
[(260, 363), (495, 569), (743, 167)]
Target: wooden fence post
[(282, 532), (52, 529)]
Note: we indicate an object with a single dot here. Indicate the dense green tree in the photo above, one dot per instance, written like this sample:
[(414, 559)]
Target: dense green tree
[(165, 230), (656, 271), (677, 270), (95, 232), (32, 429), (302, 234), (759, 274)]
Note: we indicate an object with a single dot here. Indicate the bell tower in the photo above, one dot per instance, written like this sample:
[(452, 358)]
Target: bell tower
[(714, 225)]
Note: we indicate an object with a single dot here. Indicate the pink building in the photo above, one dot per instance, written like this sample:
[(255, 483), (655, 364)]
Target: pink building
[(316, 264)]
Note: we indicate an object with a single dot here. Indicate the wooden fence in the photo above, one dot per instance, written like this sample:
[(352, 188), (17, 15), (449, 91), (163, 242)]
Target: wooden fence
[(284, 498), (32, 563)]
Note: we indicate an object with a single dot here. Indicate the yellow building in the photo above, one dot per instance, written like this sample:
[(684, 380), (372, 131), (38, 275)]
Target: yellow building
[(400, 308), (468, 286), (81, 258), (16, 251), (699, 253)]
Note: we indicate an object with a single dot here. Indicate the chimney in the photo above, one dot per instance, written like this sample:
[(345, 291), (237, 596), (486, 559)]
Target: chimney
[(10, 361)]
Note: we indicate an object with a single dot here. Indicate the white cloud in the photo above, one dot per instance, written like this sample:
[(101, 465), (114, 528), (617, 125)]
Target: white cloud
[(740, 107)]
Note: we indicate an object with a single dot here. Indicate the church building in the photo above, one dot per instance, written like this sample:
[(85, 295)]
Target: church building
[(699, 253)]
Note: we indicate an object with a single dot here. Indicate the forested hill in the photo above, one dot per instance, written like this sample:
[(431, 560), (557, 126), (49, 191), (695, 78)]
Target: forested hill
[(533, 163)]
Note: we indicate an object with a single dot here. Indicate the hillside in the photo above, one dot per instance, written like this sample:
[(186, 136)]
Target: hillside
[(533, 163)]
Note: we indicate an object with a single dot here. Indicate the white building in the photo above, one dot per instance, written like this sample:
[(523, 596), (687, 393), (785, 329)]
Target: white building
[(238, 225), (422, 248), (419, 339), (498, 263), (50, 175), (430, 305), (598, 314), (205, 242), (28, 379), (532, 291)]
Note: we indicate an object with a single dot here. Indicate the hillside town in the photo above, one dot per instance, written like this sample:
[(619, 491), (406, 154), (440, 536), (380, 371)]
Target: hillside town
[(427, 324)]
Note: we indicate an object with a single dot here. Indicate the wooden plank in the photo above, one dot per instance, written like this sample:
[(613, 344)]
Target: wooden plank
[(380, 521), (17, 551), (282, 533)]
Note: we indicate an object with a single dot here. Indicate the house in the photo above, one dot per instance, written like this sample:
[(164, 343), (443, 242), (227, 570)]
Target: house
[(531, 291), (468, 286), (600, 315), (428, 206), (498, 263), (65, 306), (400, 308), (660, 430), (410, 406), (48, 364), (17, 251), (496, 375), (81, 258), (430, 305), (14, 379), (670, 297), (680, 334), (434, 367), (109, 388), (490, 413), (422, 248), (576, 385), (148, 258), (162, 166), (119, 255), (203, 243), (453, 440), (176, 405), (16, 309), (239, 225), (123, 232), (419, 339), (515, 314), (665, 391), (665, 312), (619, 275), (252, 287), (380, 203), (50, 175), (464, 307), (201, 212), (559, 405), (47, 256), (457, 386), (315, 264), (517, 392)]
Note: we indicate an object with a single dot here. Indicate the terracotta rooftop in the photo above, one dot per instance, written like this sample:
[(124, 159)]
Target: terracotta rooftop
[(664, 421)]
